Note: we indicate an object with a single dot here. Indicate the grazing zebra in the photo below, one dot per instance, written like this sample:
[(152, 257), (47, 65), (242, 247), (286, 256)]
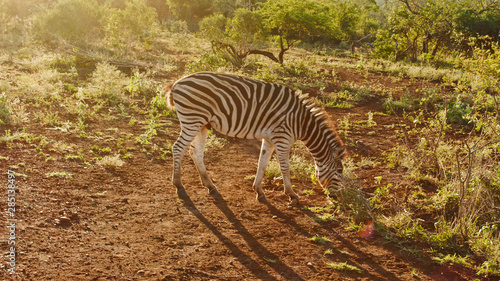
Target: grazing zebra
[(245, 108)]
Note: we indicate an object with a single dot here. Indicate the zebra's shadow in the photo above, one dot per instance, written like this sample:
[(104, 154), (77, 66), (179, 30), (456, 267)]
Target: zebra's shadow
[(256, 247), (255, 266)]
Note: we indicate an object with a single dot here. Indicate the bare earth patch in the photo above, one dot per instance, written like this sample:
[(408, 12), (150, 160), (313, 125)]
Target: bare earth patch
[(125, 222)]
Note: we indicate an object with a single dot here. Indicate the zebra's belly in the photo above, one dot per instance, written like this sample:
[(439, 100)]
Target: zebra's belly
[(242, 133)]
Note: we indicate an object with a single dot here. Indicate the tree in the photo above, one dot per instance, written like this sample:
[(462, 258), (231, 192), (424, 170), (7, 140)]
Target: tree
[(228, 7), (418, 28), (161, 7), (237, 37), (422, 28), (289, 21), (477, 20), (192, 11), (76, 21), (354, 21), (136, 22)]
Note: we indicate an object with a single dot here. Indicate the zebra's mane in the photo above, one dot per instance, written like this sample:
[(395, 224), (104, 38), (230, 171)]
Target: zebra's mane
[(321, 117)]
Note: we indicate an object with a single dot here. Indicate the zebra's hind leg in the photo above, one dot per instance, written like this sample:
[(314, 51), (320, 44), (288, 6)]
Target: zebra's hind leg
[(178, 150), (197, 153), (266, 152)]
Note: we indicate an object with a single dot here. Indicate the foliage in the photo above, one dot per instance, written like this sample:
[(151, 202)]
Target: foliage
[(343, 266), (353, 20), (59, 175), (286, 23), (289, 21), (159, 104), (124, 26), (418, 30), (190, 11), (111, 161), (4, 110), (71, 20), (300, 168), (320, 239), (214, 27), (237, 37), (215, 142), (485, 63), (107, 84), (208, 61)]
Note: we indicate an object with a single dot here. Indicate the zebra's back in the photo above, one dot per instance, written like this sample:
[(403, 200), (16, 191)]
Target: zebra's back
[(233, 105), (247, 108)]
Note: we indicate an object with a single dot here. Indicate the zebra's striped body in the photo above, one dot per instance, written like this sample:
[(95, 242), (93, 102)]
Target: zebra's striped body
[(247, 108)]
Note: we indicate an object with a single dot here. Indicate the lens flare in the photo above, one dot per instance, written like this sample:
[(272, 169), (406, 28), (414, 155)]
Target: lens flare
[(367, 231)]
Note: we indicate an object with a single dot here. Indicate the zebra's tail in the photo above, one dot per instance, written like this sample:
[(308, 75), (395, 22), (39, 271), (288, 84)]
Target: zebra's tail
[(168, 95)]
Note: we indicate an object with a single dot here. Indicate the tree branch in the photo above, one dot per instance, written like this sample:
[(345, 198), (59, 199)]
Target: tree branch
[(409, 8), (263, 53), (232, 50), (494, 5)]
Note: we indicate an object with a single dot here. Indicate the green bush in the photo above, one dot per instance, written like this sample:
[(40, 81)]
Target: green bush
[(76, 21), (107, 84), (190, 11), (141, 85), (4, 110), (137, 22), (208, 61)]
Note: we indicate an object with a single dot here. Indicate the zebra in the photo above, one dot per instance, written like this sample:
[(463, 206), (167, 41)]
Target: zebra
[(241, 107)]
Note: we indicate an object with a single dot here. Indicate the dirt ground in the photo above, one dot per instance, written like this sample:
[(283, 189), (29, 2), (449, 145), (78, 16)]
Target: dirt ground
[(126, 223)]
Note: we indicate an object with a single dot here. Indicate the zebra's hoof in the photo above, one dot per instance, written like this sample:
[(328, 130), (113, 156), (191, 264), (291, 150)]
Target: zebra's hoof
[(182, 193), (262, 199)]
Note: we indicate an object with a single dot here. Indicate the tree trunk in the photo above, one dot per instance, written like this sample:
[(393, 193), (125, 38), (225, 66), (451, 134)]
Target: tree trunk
[(396, 50), (435, 49), (425, 42), (282, 51)]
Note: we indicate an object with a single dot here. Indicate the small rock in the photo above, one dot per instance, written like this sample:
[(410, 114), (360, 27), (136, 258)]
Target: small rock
[(63, 221)]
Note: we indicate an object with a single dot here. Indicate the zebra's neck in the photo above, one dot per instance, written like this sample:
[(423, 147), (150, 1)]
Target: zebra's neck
[(318, 133)]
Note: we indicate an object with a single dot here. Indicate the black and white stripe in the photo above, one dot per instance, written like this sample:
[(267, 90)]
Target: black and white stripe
[(245, 108)]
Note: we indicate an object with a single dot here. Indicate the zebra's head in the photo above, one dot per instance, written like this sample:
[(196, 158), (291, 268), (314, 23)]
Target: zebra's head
[(329, 173)]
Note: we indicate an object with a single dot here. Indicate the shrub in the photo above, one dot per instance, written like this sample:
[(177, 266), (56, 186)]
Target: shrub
[(159, 104), (190, 11), (141, 85), (4, 110), (208, 61), (107, 84), (300, 169), (76, 21), (111, 161), (137, 22)]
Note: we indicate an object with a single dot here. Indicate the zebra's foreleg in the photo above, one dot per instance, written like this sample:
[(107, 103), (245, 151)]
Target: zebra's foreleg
[(283, 158), (266, 152), (178, 150), (197, 153)]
